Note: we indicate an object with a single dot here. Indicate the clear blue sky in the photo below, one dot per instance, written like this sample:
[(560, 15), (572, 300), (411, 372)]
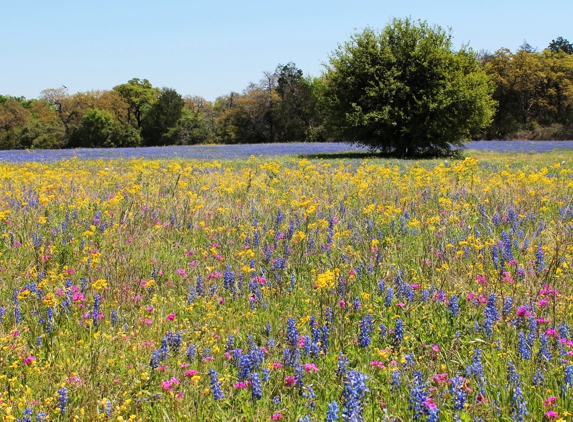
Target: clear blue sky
[(212, 47)]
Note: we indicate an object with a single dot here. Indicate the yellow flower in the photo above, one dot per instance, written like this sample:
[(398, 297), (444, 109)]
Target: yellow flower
[(100, 284)]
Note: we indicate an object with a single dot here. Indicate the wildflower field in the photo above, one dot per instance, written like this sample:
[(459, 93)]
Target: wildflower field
[(287, 288)]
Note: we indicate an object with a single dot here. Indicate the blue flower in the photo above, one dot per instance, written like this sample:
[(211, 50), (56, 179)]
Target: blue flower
[(257, 392), (215, 385), (332, 413), (354, 393)]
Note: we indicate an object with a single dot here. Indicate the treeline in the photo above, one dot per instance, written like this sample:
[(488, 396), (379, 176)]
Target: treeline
[(533, 91)]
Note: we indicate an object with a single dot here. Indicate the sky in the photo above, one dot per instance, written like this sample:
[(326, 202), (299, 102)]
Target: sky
[(212, 47)]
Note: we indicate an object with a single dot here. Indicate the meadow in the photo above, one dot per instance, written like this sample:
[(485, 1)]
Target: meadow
[(287, 288)]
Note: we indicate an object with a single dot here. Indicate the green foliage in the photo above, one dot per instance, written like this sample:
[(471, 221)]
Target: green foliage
[(140, 95), (560, 44), (534, 92), (405, 90), (98, 129), (39, 134), (162, 116), (189, 130)]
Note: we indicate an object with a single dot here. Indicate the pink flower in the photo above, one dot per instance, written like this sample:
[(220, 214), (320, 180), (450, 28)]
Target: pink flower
[(522, 311), (310, 367), (342, 303), (190, 373), (184, 365), (78, 297), (276, 416), (277, 365), (435, 348), (377, 364), (289, 381), (181, 271), (170, 317), (481, 279), (241, 385), (551, 414), (29, 360), (549, 401)]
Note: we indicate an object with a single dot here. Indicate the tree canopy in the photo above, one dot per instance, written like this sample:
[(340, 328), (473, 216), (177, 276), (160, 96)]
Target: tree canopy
[(405, 91)]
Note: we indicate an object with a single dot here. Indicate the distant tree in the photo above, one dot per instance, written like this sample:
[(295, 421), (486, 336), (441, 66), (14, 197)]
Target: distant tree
[(533, 90), (405, 90), (295, 111), (140, 96), (190, 129), (99, 129), (161, 117), (526, 47), (560, 44), (13, 115), (38, 133)]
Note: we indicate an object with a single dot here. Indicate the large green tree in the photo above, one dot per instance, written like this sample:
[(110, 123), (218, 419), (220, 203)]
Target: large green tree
[(406, 91), (161, 117), (140, 95)]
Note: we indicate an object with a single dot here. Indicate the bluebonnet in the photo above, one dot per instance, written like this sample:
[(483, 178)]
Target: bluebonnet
[(292, 332), (398, 331), (365, 331), (418, 395), (257, 392), (299, 375), (518, 404), (95, 311), (506, 310), (113, 317), (332, 413), (538, 378), (491, 315), (433, 414), (329, 315), (199, 286), (17, 312), (396, 380), (26, 416), (215, 385), (539, 259), (477, 366), (354, 393), (523, 347), (544, 352), (454, 306), (190, 353), (50, 322), (458, 392), (342, 363), (230, 342), (356, 303), (383, 331), (389, 296), (568, 378), (244, 364), (62, 399)]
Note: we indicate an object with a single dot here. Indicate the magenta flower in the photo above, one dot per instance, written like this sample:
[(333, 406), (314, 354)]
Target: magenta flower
[(289, 381)]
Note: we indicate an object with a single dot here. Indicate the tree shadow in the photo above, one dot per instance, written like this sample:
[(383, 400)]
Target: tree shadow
[(359, 155)]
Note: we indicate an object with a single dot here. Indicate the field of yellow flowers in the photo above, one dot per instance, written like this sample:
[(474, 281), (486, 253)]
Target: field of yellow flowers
[(289, 289)]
